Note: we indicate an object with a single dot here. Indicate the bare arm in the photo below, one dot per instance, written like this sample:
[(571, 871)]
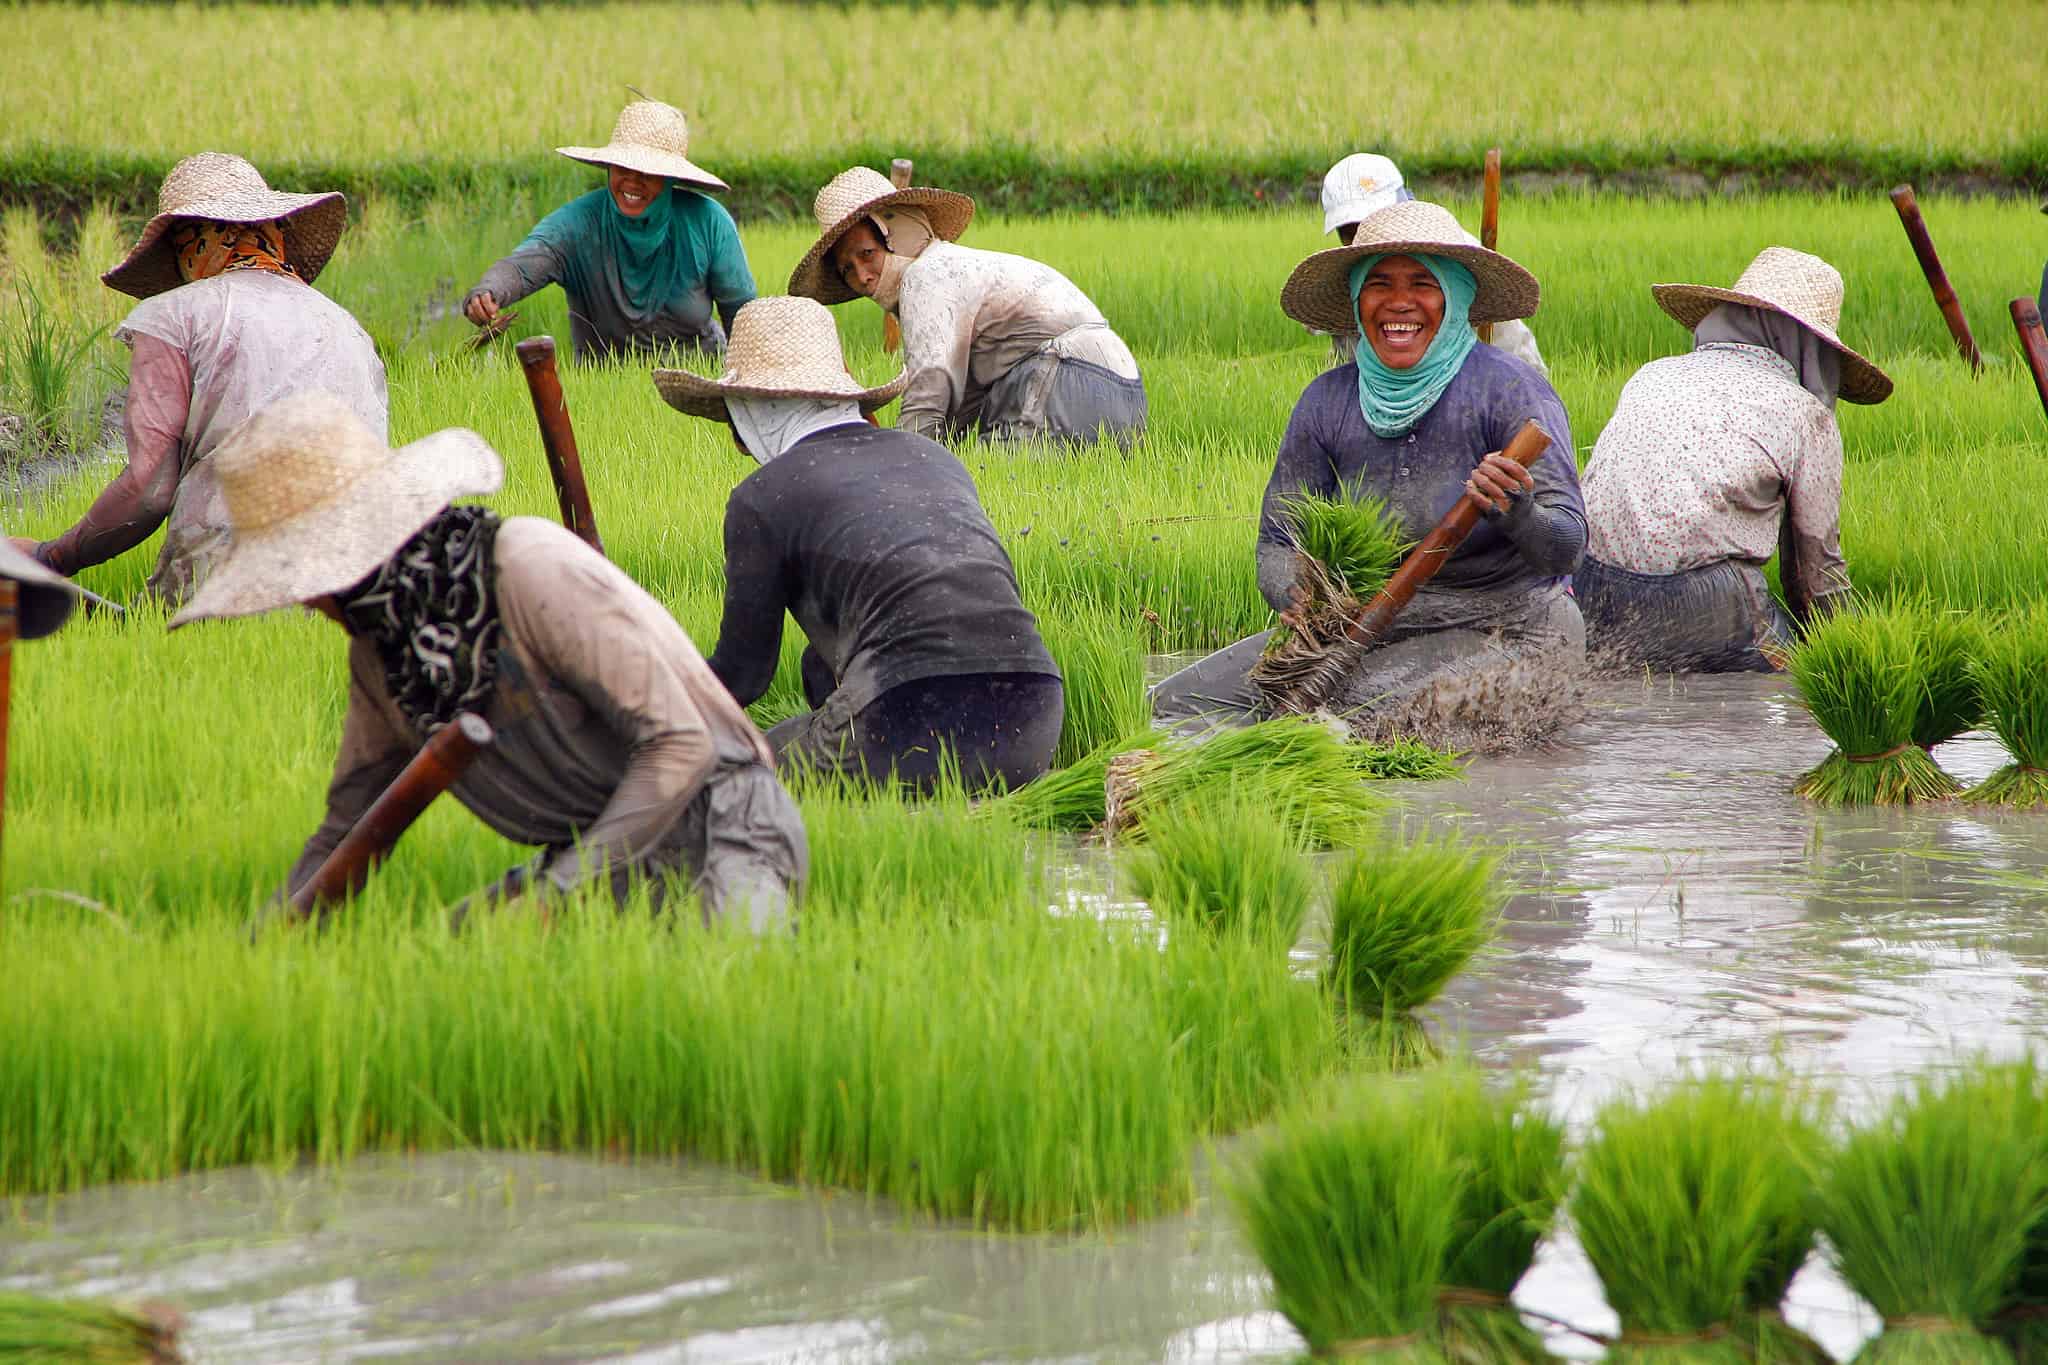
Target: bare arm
[(131, 508)]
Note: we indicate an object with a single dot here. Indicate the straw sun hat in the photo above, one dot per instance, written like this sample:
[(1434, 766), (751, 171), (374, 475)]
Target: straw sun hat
[(316, 500), (781, 347), (853, 195), (654, 139), (1805, 289), (1318, 293), (227, 189), (46, 597)]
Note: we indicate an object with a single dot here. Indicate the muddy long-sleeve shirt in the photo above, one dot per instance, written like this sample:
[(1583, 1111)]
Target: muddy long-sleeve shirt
[(876, 542), (1330, 451), (1720, 454), (607, 727), (969, 315)]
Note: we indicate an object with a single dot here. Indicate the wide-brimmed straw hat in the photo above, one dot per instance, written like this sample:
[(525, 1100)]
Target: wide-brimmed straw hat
[(859, 193), (1805, 289), (45, 596), (1318, 293), (226, 189), (654, 139), (781, 347), (316, 500)]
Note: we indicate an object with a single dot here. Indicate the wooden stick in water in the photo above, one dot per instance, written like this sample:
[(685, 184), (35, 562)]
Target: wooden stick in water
[(1489, 218), (892, 331), (1937, 279), (2026, 320)]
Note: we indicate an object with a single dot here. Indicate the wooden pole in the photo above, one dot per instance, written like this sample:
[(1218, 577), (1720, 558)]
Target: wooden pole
[(1489, 218), (558, 438), (10, 630), (892, 331), (1937, 278), (2026, 320)]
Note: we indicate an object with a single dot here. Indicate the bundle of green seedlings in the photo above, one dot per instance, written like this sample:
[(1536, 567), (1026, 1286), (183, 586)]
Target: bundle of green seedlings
[(2023, 1323), (1693, 1207), (1345, 550), (1879, 680), (2012, 675), (1231, 867), (1404, 919), (1514, 1175), (39, 1331), (1928, 1209)]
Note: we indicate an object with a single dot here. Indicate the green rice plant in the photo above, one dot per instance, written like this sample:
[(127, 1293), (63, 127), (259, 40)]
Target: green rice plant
[(1862, 675), (1104, 670), (1403, 760), (1693, 1207), (41, 1331), (1356, 540), (2012, 675), (1514, 1176), (1404, 919), (1951, 702), (41, 356), (1928, 1207), (1228, 867), (879, 853), (1353, 1207)]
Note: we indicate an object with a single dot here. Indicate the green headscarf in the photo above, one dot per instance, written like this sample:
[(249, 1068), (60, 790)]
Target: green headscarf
[(1395, 400)]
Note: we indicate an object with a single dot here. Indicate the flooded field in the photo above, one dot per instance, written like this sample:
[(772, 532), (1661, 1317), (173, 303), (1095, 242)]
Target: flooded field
[(1675, 906)]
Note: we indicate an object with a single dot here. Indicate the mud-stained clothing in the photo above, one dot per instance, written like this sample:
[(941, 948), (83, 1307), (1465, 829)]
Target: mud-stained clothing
[(1718, 618), (991, 729), (206, 356), (971, 317), (617, 750), (876, 542), (704, 267), (1512, 338)]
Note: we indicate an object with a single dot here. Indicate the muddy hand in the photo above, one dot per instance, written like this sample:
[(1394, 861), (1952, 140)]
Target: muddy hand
[(25, 544), (481, 309), (1498, 482)]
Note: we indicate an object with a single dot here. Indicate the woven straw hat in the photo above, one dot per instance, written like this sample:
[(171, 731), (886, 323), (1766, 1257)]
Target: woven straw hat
[(227, 189), (1358, 187), (851, 196), (46, 596), (1805, 289), (654, 139), (316, 500), (781, 347), (1318, 294)]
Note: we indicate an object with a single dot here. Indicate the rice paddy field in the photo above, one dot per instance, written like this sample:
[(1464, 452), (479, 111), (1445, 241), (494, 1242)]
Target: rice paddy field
[(1010, 1092)]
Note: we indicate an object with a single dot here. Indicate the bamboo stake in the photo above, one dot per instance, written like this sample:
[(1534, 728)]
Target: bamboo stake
[(892, 331), (2026, 320), (558, 438), (1937, 279), (1489, 218)]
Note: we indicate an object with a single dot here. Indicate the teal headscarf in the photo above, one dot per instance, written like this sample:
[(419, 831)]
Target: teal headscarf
[(1395, 400), (652, 259)]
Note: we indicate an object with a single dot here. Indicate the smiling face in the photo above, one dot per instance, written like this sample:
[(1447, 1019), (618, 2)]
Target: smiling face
[(632, 191), (1400, 307), (858, 257)]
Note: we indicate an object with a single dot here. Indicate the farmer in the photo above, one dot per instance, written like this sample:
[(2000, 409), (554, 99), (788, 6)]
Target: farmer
[(228, 324), (1713, 460), (617, 751), (642, 260), (920, 654), (1419, 419), (44, 598), (1361, 185), (991, 342)]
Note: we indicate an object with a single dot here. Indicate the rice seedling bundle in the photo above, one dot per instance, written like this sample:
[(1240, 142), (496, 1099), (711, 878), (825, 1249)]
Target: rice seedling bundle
[(1404, 920), (1513, 1160), (1352, 1209), (1863, 675), (1230, 868), (41, 1331), (1345, 551), (1928, 1210), (1693, 1207), (2012, 675), (1951, 702), (1104, 670)]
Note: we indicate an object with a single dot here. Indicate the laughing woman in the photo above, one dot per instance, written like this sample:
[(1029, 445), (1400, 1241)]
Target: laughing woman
[(643, 260), (1418, 420)]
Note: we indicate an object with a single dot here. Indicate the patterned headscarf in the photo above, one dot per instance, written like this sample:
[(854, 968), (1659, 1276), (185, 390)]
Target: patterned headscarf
[(432, 611), (207, 248)]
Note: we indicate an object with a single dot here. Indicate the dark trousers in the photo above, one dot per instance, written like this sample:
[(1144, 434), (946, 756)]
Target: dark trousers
[(995, 728), (1713, 619)]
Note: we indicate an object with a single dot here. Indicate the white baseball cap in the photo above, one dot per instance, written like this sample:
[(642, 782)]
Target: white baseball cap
[(1359, 186)]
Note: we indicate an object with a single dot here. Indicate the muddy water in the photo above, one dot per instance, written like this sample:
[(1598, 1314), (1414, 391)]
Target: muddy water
[(1675, 907)]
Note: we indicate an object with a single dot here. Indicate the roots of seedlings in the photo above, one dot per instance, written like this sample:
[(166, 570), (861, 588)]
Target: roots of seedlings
[(2014, 785), (1904, 777), (1716, 1346), (33, 1328), (1770, 1340), (1938, 1342), (1397, 1042), (1477, 1333)]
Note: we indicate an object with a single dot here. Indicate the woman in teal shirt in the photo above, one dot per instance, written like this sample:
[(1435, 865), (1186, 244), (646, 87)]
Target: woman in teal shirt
[(644, 260)]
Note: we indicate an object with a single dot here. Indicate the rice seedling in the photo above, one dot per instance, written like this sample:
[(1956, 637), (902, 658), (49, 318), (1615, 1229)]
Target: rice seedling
[(1404, 919), (2011, 673), (1228, 867), (1863, 677), (43, 1331), (1107, 695), (1927, 1210), (1950, 701), (1346, 551), (1352, 1208), (878, 853), (1513, 1159), (1693, 1207)]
